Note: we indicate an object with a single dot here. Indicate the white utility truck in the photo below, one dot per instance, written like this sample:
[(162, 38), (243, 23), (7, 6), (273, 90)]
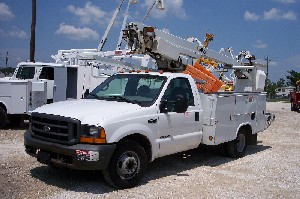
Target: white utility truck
[(137, 116)]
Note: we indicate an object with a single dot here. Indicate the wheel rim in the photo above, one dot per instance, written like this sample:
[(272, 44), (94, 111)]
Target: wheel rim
[(128, 165), (241, 143)]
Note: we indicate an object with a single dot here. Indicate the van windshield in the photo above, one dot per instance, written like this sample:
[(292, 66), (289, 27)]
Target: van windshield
[(141, 89), (25, 72)]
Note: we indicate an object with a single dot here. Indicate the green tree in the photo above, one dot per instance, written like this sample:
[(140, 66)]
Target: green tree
[(7, 71), (292, 78), (271, 89), (281, 83)]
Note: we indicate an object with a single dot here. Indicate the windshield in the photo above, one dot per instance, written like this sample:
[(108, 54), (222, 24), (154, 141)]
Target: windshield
[(25, 72), (132, 88)]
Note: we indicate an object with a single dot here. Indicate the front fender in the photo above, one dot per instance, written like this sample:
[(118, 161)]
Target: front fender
[(135, 128)]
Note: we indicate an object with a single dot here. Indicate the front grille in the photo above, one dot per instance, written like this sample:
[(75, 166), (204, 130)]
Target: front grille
[(55, 128)]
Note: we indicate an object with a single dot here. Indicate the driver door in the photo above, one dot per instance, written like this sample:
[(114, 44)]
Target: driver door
[(179, 131)]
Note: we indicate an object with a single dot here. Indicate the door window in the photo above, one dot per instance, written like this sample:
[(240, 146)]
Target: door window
[(180, 86)]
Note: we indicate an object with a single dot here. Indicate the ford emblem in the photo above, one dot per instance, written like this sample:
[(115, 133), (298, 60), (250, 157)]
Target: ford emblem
[(46, 128)]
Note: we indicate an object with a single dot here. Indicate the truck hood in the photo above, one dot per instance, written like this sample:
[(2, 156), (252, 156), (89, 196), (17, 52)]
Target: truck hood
[(88, 111)]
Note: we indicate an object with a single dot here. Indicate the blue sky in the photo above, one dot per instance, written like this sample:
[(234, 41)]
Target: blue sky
[(267, 28)]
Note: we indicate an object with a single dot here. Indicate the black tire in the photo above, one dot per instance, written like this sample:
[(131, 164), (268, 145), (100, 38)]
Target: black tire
[(15, 120), (253, 139), (127, 165), (237, 147), (3, 118)]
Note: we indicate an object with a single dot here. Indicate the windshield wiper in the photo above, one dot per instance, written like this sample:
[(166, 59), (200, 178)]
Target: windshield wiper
[(96, 96), (124, 99)]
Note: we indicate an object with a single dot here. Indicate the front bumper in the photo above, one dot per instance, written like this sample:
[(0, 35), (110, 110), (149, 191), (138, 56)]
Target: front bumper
[(79, 156)]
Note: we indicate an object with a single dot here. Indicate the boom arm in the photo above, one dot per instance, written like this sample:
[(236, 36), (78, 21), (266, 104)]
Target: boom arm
[(170, 52), (173, 53)]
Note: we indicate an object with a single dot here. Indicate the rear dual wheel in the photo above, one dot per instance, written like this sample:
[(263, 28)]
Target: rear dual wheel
[(237, 147)]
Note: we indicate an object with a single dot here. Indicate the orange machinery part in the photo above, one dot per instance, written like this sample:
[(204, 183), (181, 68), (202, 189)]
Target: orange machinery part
[(212, 84)]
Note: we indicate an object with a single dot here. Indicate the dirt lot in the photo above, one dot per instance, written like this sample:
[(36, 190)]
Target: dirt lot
[(269, 170)]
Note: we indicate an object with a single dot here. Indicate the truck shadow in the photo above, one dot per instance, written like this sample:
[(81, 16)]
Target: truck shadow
[(176, 164)]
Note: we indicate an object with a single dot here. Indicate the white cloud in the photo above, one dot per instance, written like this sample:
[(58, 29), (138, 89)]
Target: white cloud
[(259, 44), (273, 14), (172, 7), (78, 34), (15, 33), (89, 14), (286, 1), (277, 14), (251, 16), (5, 12)]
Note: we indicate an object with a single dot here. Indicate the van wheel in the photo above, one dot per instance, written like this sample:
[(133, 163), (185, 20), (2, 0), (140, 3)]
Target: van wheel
[(3, 117), (127, 165), (15, 119), (237, 147)]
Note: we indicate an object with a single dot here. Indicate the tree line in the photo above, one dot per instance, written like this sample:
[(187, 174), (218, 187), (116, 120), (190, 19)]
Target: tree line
[(7, 70), (290, 80)]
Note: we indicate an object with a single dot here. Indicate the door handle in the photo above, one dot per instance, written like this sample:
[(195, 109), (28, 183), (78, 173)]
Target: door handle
[(152, 121)]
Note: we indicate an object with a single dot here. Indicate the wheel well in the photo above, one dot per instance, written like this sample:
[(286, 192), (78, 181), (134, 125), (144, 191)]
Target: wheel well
[(142, 140), (3, 107), (247, 130)]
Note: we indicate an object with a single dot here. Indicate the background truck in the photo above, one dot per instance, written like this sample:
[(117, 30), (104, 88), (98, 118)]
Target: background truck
[(295, 97), (137, 116)]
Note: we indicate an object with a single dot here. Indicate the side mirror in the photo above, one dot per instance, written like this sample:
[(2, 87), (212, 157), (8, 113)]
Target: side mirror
[(86, 93), (178, 105), (163, 107)]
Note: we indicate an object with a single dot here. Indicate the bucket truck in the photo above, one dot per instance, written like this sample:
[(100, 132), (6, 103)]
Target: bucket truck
[(139, 114)]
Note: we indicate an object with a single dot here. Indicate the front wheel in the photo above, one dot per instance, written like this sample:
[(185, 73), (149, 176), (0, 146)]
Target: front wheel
[(237, 147), (127, 166)]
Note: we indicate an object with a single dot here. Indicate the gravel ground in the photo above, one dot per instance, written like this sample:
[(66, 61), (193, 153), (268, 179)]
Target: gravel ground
[(270, 169)]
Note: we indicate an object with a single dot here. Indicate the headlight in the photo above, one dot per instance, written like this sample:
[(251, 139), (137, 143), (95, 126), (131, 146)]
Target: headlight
[(94, 131), (92, 134)]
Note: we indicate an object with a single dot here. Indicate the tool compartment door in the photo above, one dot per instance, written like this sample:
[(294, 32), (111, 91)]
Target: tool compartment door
[(245, 110), (224, 119)]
